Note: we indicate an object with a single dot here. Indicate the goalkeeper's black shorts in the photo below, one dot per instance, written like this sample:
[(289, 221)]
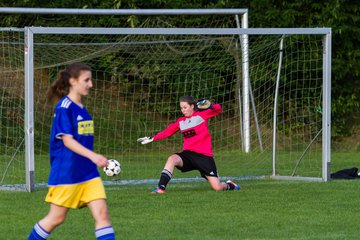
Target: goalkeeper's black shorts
[(197, 161)]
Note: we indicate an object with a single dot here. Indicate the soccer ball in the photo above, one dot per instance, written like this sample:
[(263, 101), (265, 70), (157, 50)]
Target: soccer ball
[(113, 168)]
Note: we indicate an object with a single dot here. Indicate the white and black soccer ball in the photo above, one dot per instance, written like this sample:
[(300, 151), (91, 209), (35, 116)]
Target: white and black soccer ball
[(113, 168)]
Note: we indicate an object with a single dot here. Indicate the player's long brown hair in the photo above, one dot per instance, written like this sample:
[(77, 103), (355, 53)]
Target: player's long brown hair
[(60, 87), (190, 101)]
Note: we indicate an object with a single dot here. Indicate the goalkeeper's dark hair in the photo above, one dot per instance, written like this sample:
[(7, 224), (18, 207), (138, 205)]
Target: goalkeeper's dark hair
[(60, 87), (190, 101)]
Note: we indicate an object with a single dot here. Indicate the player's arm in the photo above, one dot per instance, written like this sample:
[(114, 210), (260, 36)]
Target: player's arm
[(76, 147), (169, 131), (208, 109)]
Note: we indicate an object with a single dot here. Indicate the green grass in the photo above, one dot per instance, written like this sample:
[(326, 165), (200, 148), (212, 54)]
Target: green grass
[(264, 209)]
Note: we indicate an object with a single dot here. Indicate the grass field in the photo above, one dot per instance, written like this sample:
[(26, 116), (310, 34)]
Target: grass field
[(263, 209)]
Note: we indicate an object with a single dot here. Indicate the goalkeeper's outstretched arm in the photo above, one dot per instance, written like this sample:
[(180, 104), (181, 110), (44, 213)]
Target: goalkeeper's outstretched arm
[(209, 110), (169, 131)]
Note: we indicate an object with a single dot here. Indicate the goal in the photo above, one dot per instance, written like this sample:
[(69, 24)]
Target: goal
[(139, 75)]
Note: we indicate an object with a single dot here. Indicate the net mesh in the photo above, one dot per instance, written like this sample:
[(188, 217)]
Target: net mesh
[(138, 80), (11, 107)]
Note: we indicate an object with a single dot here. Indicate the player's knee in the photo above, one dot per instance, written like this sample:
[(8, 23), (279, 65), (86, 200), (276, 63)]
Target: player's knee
[(217, 187), (173, 159), (102, 216)]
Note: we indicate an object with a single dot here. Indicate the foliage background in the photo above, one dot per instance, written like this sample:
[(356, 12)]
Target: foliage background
[(343, 16)]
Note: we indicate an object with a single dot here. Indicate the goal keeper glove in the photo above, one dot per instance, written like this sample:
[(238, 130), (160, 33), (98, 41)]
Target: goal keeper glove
[(145, 140), (204, 104)]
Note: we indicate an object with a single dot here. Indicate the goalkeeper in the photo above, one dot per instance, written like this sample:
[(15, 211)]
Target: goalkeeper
[(197, 151)]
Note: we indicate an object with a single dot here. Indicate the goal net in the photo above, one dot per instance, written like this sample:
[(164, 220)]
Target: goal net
[(138, 80)]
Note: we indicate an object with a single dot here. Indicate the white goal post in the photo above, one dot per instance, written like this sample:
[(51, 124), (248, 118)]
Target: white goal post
[(285, 73)]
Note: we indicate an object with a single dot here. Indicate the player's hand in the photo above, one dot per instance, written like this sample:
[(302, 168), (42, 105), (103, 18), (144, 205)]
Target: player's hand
[(99, 160), (204, 104), (145, 140)]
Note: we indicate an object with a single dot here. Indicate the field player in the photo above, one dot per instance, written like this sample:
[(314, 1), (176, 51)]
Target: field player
[(197, 151), (74, 180)]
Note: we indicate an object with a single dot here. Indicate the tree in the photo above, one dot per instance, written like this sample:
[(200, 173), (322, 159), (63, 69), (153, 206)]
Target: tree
[(343, 16)]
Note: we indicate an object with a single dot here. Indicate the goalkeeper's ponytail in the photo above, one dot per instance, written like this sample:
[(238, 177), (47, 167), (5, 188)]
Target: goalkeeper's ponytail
[(60, 87), (190, 101)]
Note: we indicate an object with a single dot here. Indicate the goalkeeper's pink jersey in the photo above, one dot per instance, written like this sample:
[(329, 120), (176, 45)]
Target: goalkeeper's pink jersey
[(194, 129)]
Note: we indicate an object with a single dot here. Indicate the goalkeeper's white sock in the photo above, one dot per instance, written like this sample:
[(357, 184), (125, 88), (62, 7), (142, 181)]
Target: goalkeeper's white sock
[(165, 178)]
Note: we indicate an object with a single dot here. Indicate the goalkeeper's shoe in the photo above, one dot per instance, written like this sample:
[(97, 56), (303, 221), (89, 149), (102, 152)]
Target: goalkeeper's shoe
[(234, 185), (158, 191)]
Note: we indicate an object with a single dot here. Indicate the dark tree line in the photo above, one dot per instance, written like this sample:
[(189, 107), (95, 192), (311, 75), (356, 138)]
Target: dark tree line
[(343, 16)]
